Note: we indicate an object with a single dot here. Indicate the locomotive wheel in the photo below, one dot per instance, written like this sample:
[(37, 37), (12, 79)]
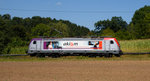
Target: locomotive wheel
[(55, 55), (108, 55), (92, 55), (32, 55), (117, 55), (100, 55), (40, 55)]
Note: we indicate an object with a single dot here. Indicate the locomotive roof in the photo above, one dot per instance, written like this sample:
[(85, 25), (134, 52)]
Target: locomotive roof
[(68, 39)]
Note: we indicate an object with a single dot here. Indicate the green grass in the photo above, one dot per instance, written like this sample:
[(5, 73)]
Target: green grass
[(74, 58), (135, 45), (18, 50)]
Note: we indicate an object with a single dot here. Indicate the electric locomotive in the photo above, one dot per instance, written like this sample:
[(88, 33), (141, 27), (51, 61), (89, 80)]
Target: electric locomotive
[(54, 47)]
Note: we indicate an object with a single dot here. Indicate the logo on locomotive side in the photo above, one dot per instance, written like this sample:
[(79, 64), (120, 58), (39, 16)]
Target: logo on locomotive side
[(70, 44)]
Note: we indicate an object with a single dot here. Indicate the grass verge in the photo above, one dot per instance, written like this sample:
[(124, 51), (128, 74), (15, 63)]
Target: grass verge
[(135, 45), (18, 50), (74, 58)]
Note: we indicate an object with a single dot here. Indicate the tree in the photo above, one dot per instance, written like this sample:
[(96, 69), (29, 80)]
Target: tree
[(59, 29), (17, 21), (18, 31), (140, 25), (122, 35), (52, 30), (27, 24), (101, 25), (91, 33), (41, 30), (6, 17), (46, 20), (108, 32), (115, 24), (4, 34), (2, 39), (75, 30), (36, 20)]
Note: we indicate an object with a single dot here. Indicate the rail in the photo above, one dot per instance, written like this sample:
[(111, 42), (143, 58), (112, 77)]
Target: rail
[(14, 55), (136, 53), (127, 53)]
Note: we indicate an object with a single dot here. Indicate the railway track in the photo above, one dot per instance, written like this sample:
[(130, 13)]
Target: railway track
[(136, 53), (14, 55), (123, 54)]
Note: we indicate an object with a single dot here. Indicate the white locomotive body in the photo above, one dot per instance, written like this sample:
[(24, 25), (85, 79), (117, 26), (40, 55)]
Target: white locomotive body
[(74, 46)]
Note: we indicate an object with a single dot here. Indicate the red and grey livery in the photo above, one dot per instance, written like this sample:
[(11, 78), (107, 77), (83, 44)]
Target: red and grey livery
[(74, 46)]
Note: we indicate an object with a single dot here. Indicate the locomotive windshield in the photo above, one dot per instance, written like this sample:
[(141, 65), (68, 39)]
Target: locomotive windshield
[(111, 42), (34, 42)]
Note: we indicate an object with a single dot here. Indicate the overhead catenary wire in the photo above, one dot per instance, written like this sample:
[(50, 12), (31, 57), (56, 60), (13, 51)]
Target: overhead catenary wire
[(66, 11)]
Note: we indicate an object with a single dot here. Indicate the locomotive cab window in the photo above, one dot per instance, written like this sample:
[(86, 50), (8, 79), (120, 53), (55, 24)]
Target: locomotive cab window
[(111, 42), (34, 42), (90, 43)]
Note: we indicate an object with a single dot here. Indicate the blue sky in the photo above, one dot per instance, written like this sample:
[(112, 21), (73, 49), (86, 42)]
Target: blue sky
[(80, 12)]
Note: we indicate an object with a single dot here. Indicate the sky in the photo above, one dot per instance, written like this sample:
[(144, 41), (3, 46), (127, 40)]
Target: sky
[(81, 12)]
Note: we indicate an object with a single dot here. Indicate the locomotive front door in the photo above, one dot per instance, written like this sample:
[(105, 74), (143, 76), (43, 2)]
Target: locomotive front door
[(33, 45), (107, 45), (112, 47), (38, 45)]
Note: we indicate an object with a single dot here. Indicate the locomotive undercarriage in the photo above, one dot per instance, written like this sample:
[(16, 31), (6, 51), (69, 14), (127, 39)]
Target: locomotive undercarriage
[(55, 55)]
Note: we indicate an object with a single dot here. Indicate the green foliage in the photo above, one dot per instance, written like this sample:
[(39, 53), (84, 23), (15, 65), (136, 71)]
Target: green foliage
[(18, 31), (18, 50), (139, 28), (17, 21), (6, 17), (52, 30), (115, 24), (16, 41), (41, 30), (140, 25), (4, 34), (7, 50), (76, 31), (2, 39), (59, 29), (116, 27), (122, 35), (108, 32)]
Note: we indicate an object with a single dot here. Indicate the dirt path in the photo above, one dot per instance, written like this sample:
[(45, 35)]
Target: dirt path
[(75, 71)]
